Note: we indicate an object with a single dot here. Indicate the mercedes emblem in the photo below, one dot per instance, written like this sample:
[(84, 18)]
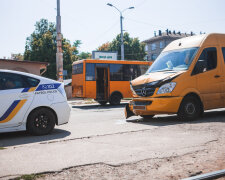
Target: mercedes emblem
[(143, 91)]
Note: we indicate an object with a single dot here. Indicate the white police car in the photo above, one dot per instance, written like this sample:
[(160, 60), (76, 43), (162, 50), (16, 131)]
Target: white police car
[(32, 103)]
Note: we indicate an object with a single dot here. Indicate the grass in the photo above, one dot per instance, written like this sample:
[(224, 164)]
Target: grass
[(89, 101), (28, 177), (2, 148)]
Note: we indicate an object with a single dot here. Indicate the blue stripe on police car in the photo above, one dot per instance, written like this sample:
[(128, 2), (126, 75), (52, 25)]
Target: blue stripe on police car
[(43, 87)]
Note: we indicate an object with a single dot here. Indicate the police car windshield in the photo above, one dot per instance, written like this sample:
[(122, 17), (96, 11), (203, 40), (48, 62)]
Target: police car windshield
[(176, 60)]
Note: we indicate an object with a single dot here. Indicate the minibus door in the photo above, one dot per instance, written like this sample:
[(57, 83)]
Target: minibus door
[(101, 84), (209, 82)]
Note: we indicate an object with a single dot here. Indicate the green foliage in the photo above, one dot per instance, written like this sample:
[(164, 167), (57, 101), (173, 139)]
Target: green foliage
[(84, 55), (104, 47), (41, 46), (76, 44), (133, 48), (18, 57), (29, 177)]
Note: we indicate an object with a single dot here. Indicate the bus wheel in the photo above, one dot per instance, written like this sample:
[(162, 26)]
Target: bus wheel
[(147, 116), (190, 108), (41, 122), (115, 99), (103, 103)]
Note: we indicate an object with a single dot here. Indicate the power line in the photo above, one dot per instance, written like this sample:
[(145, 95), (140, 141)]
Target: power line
[(207, 21), (76, 20), (149, 24), (146, 23), (134, 54), (105, 32), (140, 4)]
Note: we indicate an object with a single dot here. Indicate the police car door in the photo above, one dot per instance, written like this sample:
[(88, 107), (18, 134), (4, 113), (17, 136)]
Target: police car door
[(16, 95)]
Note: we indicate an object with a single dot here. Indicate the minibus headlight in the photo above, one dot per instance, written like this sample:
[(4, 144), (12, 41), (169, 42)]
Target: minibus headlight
[(166, 88), (132, 89)]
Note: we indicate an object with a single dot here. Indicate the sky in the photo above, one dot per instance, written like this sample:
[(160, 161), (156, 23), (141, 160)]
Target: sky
[(94, 23)]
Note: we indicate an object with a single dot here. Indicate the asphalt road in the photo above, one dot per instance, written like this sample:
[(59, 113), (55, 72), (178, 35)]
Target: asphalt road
[(97, 134)]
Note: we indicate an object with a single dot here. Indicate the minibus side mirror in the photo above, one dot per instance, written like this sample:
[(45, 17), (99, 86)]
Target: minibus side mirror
[(200, 67)]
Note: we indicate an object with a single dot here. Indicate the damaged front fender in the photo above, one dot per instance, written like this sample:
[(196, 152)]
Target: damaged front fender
[(128, 112)]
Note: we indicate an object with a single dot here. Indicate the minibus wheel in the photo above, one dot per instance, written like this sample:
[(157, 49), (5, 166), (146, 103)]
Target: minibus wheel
[(190, 108), (115, 99), (102, 103), (41, 121)]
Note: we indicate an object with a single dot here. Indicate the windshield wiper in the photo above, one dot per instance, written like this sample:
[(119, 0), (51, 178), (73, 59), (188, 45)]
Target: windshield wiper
[(165, 70)]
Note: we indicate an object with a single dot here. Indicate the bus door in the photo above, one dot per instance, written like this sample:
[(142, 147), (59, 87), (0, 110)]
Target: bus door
[(101, 83)]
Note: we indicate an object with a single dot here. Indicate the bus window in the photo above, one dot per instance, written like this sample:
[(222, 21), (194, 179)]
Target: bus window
[(90, 72), (116, 72), (103, 65), (143, 69), (132, 71), (78, 68), (128, 72)]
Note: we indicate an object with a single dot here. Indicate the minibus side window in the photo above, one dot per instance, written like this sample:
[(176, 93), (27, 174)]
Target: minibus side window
[(90, 72), (143, 68), (78, 68), (223, 50), (116, 72), (128, 70), (208, 59), (131, 71)]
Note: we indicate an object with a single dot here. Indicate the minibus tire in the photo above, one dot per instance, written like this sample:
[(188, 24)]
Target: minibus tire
[(102, 103), (194, 105), (147, 116), (115, 99), (41, 117)]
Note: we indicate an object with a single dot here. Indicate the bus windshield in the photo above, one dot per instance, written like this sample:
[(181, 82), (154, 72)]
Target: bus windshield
[(78, 68), (176, 60)]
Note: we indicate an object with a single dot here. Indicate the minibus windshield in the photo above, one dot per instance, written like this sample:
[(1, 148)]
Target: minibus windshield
[(176, 60)]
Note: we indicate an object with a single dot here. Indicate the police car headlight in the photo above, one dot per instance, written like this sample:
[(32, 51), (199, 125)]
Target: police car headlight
[(166, 88)]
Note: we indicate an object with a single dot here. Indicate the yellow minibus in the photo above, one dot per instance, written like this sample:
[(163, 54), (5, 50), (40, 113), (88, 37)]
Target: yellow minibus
[(187, 78)]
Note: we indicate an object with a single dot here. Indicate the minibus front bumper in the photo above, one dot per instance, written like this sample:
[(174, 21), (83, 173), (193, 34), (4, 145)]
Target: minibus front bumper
[(153, 106)]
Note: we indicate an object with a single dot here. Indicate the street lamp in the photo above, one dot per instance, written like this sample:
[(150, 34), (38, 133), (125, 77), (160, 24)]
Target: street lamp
[(121, 26)]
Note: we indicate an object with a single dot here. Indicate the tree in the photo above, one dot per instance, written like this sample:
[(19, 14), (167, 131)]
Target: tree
[(104, 47), (18, 57), (76, 45), (41, 46), (84, 55), (134, 49)]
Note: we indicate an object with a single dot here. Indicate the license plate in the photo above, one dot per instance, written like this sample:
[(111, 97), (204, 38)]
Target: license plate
[(140, 107)]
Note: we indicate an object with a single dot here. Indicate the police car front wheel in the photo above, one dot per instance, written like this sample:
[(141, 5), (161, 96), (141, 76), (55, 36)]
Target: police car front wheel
[(41, 121)]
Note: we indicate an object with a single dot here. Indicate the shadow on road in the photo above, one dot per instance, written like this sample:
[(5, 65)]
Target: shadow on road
[(211, 116), (97, 106), (20, 138)]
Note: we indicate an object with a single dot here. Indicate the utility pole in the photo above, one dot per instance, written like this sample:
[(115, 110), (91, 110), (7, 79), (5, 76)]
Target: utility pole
[(121, 35), (121, 27), (59, 54)]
